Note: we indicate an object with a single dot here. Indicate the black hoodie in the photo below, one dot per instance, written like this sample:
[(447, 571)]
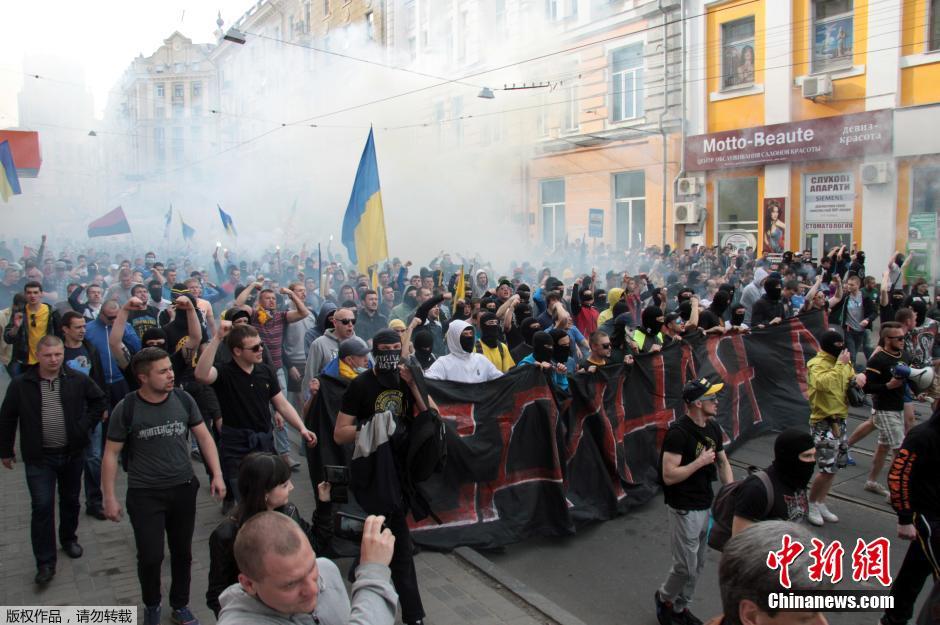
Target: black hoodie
[(913, 476)]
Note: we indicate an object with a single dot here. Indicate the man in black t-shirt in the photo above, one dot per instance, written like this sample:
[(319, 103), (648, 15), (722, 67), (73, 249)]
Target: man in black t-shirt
[(790, 472), (693, 456), (247, 390), (388, 387)]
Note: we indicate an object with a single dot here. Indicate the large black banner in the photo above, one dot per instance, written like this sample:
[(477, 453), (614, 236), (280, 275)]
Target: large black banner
[(522, 464)]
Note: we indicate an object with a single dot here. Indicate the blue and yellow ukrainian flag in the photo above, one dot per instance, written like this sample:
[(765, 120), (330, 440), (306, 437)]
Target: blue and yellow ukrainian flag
[(364, 223), (227, 222), (9, 180), (188, 231)]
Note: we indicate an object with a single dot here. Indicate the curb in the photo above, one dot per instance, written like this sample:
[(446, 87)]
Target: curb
[(530, 597)]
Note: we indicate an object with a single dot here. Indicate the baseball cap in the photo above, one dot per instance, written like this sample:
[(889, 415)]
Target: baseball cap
[(353, 346), (697, 389), (673, 316)]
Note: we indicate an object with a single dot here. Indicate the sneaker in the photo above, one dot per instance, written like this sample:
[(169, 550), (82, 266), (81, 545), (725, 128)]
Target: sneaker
[(849, 460), (44, 575), (182, 616), (152, 615), (814, 515), (664, 611), (874, 487), (686, 618), (827, 516)]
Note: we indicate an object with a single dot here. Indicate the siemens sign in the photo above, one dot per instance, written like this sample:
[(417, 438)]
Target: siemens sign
[(844, 136)]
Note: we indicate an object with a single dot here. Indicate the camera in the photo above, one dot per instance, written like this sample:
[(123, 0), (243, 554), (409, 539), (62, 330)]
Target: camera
[(338, 477), (350, 526)]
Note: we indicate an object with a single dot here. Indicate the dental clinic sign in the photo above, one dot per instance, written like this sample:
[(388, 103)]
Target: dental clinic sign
[(843, 136)]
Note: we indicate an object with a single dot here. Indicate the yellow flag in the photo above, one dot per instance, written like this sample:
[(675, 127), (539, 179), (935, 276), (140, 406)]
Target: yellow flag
[(375, 278), (460, 291)]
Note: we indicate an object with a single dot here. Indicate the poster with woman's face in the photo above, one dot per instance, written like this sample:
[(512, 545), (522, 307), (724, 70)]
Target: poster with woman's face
[(738, 64), (775, 227), (833, 41)]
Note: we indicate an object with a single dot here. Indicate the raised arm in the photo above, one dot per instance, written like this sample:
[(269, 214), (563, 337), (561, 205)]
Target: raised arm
[(301, 312), (205, 373), (246, 293)]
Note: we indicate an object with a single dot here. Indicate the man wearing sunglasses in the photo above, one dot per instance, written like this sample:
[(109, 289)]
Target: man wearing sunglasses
[(26, 328), (600, 353), (693, 457), (325, 348)]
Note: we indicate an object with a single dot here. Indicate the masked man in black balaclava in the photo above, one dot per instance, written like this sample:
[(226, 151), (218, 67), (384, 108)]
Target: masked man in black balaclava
[(528, 327), (712, 318), (769, 310), (424, 344), (387, 387), (648, 338), (491, 344), (789, 475)]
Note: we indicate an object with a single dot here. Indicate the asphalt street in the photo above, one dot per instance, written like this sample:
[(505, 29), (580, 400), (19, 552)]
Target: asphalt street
[(606, 574)]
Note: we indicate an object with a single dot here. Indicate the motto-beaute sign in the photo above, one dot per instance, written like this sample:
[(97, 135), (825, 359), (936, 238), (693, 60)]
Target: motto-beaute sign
[(844, 136)]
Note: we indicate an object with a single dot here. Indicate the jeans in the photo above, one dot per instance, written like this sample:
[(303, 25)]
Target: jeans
[(281, 442), (689, 533), (856, 341), (155, 512), (92, 459), (65, 470), (919, 564), (237, 443)]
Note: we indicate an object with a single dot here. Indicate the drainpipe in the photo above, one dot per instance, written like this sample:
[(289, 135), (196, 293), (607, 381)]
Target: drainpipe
[(662, 114), (682, 112)]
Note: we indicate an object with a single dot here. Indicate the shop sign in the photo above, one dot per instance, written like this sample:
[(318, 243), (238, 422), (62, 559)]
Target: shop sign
[(842, 136), (921, 245), (738, 239), (596, 223), (829, 199)]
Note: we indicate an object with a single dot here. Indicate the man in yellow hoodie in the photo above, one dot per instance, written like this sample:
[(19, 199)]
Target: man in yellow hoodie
[(829, 377), (496, 351), (613, 296)]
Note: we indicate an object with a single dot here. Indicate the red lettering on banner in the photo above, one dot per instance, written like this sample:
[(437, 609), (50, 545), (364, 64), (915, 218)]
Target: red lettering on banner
[(827, 561), (742, 376), (784, 557), (687, 365), (662, 415), (798, 331), (872, 559), (609, 444)]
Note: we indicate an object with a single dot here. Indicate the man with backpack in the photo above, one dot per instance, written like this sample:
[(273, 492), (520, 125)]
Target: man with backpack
[(693, 457), (382, 402), (151, 428)]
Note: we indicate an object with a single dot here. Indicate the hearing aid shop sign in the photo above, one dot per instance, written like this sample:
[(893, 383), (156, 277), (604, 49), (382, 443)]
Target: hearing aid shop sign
[(843, 136)]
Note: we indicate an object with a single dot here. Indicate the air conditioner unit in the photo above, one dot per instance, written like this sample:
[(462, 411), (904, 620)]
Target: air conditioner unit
[(686, 213), (876, 173), (816, 86), (688, 186)]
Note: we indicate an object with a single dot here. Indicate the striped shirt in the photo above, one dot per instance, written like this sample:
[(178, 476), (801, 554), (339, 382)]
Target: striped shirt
[(272, 334), (53, 418)]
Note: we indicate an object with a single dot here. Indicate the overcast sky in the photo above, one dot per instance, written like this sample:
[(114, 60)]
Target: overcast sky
[(103, 36)]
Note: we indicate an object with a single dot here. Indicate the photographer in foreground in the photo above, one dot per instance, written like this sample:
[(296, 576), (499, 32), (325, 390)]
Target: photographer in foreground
[(283, 582)]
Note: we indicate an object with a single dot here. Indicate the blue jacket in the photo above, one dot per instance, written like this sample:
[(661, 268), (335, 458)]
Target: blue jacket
[(97, 333)]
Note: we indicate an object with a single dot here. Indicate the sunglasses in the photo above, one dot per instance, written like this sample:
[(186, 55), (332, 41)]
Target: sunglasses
[(346, 322), (605, 346), (254, 348), (895, 338)]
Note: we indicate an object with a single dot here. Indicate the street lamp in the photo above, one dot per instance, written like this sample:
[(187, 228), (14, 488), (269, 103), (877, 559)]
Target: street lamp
[(486, 93), (235, 36)]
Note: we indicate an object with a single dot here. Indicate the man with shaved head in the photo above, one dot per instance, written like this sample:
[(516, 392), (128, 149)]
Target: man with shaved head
[(282, 582)]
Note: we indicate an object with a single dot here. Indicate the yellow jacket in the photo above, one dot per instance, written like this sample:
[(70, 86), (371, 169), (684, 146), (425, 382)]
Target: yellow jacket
[(499, 355), (828, 383), (613, 296)]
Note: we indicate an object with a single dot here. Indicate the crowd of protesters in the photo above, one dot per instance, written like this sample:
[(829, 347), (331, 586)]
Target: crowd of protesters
[(243, 346)]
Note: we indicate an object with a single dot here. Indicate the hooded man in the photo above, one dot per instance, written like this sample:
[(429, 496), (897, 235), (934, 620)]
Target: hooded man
[(325, 348), (713, 316), (613, 296), (752, 292), (769, 308), (649, 338), (528, 327), (490, 345), (423, 342), (409, 303), (462, 364), (789, 473), (547, 349)]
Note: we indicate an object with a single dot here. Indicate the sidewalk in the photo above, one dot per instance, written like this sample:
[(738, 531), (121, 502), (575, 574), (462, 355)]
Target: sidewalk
[(453, 591)]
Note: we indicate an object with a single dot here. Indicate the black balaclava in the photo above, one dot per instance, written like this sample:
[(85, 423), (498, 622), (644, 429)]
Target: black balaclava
[(737, 315), (528, 327), (832, 343), (409, 297), (521, 312), (542, 347), (684, 294), (720, 303), (459, 309), (650, 318), (729, 289), (772, 288), (155, 334), (490, 304), (619, 335), (790, 443), (920, 311), (489, 331), (524, 292), (685, 310), (619, 309), (424, 343), (386, 360), (467, 342), (156, 292), (560, 353)]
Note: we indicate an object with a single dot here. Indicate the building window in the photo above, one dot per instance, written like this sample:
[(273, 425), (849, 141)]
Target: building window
[(630, 209), (552, 9), (197, 89), (737, 210), (159, 145), (737, 53), (552, 198), (626, 69), (326, 7), (177, 143), (934, 21), (572, 109), (833, 34), (541, 118), (370, 25), (178, 91), (177, 110), (161, 90)]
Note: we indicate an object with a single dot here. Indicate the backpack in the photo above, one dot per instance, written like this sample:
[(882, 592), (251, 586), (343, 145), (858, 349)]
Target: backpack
[(127, 420), (722, 517)]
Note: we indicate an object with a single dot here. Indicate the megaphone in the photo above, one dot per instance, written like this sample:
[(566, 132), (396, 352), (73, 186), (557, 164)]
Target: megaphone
[(920, 379)]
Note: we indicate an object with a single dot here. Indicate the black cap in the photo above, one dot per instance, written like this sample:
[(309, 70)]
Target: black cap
[(697, 389)]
